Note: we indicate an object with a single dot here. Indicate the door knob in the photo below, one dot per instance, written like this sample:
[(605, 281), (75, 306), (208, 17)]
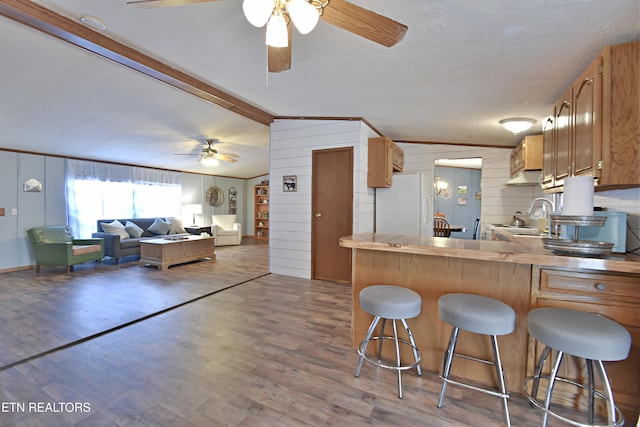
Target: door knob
[(318, 215)]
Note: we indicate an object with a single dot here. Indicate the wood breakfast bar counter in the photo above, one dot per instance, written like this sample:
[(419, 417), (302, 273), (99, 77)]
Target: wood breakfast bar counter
[(520, 273)]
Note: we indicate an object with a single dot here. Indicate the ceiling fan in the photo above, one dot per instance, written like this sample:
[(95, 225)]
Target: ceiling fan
[(278, 15), (209, 156)]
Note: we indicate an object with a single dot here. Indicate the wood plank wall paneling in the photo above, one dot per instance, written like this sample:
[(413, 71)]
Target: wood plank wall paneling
[(292, 142)]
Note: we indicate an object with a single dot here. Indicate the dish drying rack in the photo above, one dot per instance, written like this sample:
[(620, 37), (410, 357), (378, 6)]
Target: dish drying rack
[(574, 246)]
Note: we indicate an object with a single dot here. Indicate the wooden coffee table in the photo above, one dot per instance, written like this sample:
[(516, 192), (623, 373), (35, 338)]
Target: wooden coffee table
[(164, 252)]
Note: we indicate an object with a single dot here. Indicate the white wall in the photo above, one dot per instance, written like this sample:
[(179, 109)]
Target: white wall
[(194, 190), (292, 143), (499, 202)]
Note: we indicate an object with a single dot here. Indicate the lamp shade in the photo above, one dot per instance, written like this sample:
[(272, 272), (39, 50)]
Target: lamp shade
[(192, 209), (277, 34), (517, 124), (258, 12), (304, 15)]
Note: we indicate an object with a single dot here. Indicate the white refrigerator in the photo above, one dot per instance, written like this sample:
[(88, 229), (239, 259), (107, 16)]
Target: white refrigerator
[(405, 207)]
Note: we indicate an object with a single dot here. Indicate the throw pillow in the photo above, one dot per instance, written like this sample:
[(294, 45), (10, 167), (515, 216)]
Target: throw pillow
[(159, 227), (133, 229), (115, 227), (176, 226)]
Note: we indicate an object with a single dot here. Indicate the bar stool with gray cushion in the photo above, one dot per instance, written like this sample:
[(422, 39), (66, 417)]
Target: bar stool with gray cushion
[(589, 336), (394, 303), (480, 315)]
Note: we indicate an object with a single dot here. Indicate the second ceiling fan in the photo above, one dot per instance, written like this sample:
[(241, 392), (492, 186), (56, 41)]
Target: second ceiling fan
[(279, 15)]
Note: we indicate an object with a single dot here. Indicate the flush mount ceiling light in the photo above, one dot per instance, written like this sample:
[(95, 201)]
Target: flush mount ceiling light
[(276, 14), (93, 22), (517, 124)]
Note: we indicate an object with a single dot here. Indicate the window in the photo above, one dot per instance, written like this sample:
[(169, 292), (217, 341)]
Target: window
[(102, 191)]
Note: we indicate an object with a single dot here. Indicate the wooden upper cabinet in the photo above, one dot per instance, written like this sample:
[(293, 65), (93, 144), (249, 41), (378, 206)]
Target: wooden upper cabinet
[(527, 155), (620, 116), (595, 129), (563, 123), (384, 157), (587, 113)]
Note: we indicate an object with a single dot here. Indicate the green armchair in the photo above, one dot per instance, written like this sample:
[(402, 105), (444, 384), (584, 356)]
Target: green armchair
[(55, 245)]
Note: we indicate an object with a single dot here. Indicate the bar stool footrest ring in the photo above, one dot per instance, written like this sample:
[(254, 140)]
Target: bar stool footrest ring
[(381, 364), (535, 402)]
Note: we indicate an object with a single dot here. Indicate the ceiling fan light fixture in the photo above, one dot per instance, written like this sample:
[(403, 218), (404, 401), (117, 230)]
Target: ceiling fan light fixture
[(303, 14), (258, 12), (209, 161), (277, 33), (517, 124)]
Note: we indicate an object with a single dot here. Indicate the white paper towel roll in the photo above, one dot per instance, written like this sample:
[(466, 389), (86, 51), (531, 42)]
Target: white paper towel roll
[(578, 196)]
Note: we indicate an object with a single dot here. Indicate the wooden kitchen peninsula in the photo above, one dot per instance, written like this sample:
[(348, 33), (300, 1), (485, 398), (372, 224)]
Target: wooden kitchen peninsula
[(523, 275)]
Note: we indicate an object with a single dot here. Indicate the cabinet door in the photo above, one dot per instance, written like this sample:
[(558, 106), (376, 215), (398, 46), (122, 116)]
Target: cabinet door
[(380, 162), (587, 119), (548, 152), (563, 138)]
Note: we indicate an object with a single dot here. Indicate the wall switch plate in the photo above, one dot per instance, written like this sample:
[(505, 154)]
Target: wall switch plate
[(14, 211)]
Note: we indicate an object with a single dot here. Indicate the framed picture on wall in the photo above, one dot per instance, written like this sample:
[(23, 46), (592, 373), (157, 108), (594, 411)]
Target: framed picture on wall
[(289, 183), (462, 201)]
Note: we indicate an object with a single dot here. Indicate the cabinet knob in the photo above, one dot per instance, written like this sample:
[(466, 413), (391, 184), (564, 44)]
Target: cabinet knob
[(318, 215), (601, 286)]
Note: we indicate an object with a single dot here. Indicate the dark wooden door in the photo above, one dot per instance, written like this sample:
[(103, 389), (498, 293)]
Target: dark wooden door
[(332, 213)]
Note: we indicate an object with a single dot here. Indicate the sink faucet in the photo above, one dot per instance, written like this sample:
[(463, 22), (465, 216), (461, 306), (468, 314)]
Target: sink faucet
[(543, 200)]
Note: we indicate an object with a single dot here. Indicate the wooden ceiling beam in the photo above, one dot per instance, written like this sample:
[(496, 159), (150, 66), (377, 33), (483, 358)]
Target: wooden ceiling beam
[(63, 28)]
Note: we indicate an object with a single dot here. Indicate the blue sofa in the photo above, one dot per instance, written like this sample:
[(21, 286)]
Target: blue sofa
[(116, 246)]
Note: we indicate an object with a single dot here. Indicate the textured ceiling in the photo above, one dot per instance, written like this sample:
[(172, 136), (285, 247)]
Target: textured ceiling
[(461, 67)]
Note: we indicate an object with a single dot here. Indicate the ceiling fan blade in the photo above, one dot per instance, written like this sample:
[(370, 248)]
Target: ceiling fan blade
[(279, 58), (227, 157), (150, 4), (363, 22)]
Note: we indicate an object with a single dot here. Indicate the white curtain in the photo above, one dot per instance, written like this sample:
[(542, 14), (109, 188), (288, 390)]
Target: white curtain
[(105, 191)]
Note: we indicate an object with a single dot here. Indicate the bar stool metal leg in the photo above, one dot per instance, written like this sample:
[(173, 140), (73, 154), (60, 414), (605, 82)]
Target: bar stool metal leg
[(591, 389), (363, 346), (606, 385), (398, 364), (414, 347), (448, 360), (382, 325), (501, 379), (552, 380), (541, 362)]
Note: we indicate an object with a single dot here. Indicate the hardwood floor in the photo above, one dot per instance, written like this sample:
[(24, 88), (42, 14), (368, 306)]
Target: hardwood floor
[(219, 343)]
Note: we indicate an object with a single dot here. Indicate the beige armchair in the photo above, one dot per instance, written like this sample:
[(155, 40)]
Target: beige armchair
[(226, 230)]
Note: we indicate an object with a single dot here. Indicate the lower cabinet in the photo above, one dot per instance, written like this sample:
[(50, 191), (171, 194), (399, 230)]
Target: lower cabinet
[(615, 296)]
